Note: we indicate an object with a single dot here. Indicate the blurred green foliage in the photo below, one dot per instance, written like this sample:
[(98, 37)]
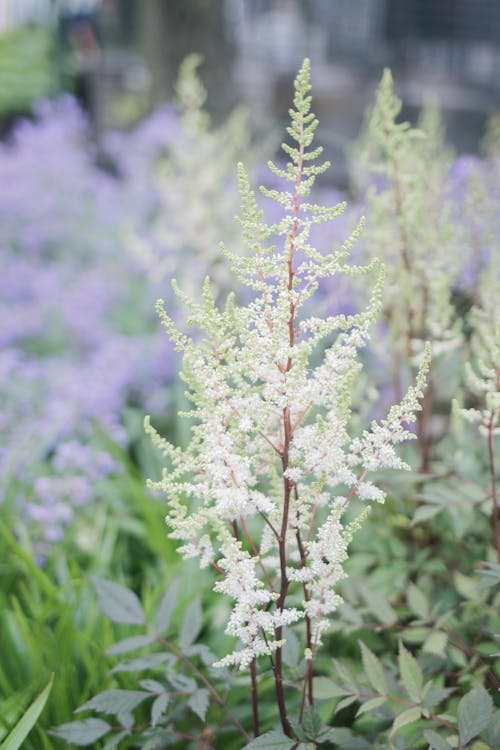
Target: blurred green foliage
[(27, 68)]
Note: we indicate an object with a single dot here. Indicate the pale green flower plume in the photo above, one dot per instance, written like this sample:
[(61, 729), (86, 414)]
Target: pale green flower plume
[(410, 226), (260, 492)]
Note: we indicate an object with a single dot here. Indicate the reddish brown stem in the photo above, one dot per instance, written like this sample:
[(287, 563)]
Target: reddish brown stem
[(255, 698), (495, 513)]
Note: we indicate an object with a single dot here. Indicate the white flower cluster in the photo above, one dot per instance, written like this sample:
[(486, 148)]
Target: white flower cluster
[(260, 490), (251, 620)]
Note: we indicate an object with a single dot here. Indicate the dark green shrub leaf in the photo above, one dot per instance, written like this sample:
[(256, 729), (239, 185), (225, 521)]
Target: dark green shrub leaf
[(436, 741), (166, 607), (475, 712), (115, 701), (118, 603), (82, 732), (158, 708), (411, 674), (130, 644), (198, 703), (273, 740), (191, 624), (374, 670)]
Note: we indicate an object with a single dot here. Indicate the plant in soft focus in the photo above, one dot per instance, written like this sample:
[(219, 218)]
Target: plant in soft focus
[(482, 380), (411, 231), (194, 188)]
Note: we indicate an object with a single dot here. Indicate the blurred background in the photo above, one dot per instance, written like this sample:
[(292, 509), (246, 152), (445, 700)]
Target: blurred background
[(120, 58)]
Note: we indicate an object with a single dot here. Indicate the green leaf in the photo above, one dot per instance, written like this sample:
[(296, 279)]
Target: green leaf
[(466, 587), (158, 708), (411, 674), (373, 670), (418, 601), (346, 702), (436, 643), (152, 686), (379, 606), (425, 513), (166, 607), (198, 703), (311, 722), (150, 661), (371, 705), (24, 726), (130, 644), (291, 648), (191, 624), (115, 701), (475, 712), (273, 740), (344, 739), (494, 731), (115, 740), (118, 603), (82, 732), (436, 741), (324, 688), (406, 717)]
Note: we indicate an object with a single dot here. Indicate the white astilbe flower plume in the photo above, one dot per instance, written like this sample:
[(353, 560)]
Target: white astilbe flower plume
[(260, 491)]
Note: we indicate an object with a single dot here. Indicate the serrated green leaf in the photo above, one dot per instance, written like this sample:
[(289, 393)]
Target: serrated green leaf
[(344, 738), (115, 740), (371, 705), (311, 722), (82, 732), (118, 603), (198, 703), (379, 606), (425, 513), (411, 674), (152, 686), (345, 702), (150, 661), (115, 702), (373, 670), (436, 741), (158, 708), (166, 608), (324, 688), (24, 726), (466, 587), (406, 717), (273, 740), (494, 730), (474, 714), (418, 601), (436, 643), (191, 624), (130, 644)]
